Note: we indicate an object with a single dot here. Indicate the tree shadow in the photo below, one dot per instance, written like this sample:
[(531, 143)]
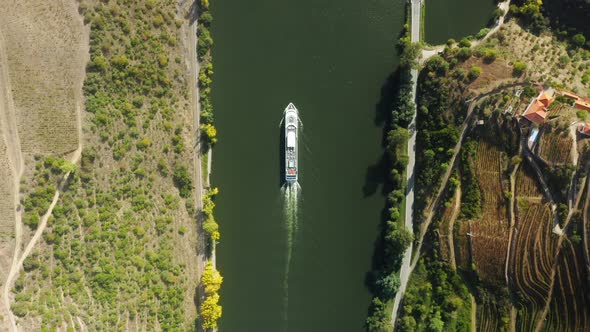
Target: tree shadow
[(376, 174), (193, 12)]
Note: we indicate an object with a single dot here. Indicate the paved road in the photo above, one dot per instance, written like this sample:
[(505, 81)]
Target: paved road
[(405, 269)]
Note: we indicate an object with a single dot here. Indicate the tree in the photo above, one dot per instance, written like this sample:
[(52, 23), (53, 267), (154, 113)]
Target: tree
[(519, 68), (464, 53), (378, 319), (209, 132), (388, 285), (206, 19), (474, 72), (397, 240), (210, 311), (67, 166), (407, 323), (436, 324), (120, 61), (464, 42), (410, 55), (490, 55), (211, 279), (211, 228), (183, 181), (497, 13), (98, 63), (482, 33), (579, 40)]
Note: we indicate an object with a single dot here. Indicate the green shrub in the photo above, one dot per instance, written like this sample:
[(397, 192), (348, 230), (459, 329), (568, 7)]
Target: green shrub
[(464, 42), (579, 40), (482, 33), (519, 68), (474, 72), (490, 55), (183, 181)]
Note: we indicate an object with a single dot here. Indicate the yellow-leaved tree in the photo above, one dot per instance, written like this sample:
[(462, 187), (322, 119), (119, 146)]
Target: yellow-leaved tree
[(210, 309), (212, 279)]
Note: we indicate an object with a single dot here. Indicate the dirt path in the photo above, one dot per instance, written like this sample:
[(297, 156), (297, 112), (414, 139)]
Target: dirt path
[(17, 264), (456, 210), (8, 121), (512, 219), (574, 137), (429, 212)]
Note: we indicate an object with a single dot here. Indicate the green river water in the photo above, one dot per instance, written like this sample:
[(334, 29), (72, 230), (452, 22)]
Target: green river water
[(332, 58), (446, 19)]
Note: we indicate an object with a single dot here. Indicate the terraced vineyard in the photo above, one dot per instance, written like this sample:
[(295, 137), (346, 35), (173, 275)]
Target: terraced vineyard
[(489, 317), (490, 231), (569, 305), (533, 250), (555, 147)]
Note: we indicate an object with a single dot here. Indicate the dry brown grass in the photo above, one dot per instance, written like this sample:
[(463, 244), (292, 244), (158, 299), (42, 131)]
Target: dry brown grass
[(492, 74), (46, 47)]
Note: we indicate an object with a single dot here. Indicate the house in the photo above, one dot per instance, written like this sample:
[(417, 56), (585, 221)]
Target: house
[(536, 113), (582, 105), (569, 95), (537, 110)]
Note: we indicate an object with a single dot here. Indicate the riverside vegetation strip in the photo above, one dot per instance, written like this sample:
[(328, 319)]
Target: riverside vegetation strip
[(210, 310), (120, 249), (395, 238)]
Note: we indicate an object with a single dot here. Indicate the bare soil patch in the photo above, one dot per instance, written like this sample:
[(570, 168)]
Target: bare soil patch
[(492, 73)]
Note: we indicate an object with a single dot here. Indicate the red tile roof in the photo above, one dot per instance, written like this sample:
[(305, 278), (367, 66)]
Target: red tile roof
[(536, 113), (570, 95), (545, 99)]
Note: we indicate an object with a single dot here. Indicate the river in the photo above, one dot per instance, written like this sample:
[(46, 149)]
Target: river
[(446, 19), (332, 58)]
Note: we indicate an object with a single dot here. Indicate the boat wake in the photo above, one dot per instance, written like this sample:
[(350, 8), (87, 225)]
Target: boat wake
[(290, 192)]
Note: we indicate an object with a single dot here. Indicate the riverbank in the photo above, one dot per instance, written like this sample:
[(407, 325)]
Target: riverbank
[(206, 136)]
